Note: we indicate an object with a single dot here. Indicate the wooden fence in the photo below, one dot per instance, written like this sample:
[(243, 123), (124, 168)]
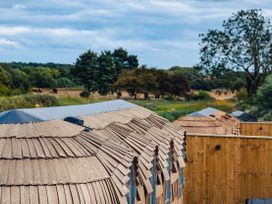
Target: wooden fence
[(259, 128), (227, 169)]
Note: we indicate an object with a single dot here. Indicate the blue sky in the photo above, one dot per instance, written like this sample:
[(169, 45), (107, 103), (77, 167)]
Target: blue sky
[(163, 33)]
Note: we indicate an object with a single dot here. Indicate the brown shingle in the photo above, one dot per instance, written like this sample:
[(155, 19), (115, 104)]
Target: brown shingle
[(58, 162)]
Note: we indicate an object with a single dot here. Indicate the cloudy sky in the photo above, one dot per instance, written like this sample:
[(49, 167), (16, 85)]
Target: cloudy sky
[(162, 33)]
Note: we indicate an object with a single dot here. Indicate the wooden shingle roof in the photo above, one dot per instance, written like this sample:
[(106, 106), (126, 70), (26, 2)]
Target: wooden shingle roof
[(218, 122), (59, 162)]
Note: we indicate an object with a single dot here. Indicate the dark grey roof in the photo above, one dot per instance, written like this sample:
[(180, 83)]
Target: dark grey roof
[(243, 116), (259, 201), (61, 112), (17, 116)]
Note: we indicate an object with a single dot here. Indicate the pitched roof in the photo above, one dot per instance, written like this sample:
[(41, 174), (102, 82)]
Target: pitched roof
[(59, 162), (61, 112), (17, 116), (205, 112), (243, 116), (209, 121)]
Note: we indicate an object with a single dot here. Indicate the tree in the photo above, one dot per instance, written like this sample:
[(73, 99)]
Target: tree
[(20, 80), (64, 82), (127, 81), (264, 95), (163, 83), (244, 44), (107, 72), (123, 60), (136, 81), (42, 77), (179, 85), (87, 70)]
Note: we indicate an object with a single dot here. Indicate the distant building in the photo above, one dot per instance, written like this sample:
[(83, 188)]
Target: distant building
[(109, 152), (210, 121), (243, 116)]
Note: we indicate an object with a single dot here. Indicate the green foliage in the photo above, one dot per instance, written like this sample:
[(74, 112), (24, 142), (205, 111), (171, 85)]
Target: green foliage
[(146, 81), (85, 93), (107, 72), (264, 96), (42, 77), (4, 90), (27, 101), (123, 60), (201, 96), (87, 70), (175, 109), (64, 82), (99, 72), (242, 94), (243, 44)]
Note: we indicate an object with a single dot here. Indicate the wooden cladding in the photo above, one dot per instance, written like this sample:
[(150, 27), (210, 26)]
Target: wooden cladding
[(257, 129), (241, 168)]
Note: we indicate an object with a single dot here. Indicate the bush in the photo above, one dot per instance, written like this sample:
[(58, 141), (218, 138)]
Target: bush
[(242, 94), (4, 90), (85, 93), (201, 96), (27, 101), (169, 98), (173, 115)]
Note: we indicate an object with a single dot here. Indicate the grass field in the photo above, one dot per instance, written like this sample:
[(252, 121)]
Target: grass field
[(168, 109), (174, 109)]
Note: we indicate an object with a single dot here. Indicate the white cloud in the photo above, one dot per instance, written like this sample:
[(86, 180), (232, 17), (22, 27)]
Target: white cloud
[(4, 43)]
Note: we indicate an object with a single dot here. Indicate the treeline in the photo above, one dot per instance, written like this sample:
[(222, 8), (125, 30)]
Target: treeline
[(112, 72), (18, 78)]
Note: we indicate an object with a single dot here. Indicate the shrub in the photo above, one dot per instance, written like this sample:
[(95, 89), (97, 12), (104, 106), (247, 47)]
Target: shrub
[(85, 93), (169, 98), (201, 96), (27, 101), (242, 94)]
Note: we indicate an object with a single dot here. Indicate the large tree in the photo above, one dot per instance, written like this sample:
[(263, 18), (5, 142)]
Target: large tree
[(87, 70), (107, 72), (244, 43), (123, 60)]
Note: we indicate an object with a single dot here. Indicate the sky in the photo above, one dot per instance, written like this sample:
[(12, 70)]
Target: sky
[(162, 33)]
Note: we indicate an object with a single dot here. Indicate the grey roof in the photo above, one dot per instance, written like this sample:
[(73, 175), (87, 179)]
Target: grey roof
[(61, 112), (204, 112), (244, 117), (236, 113), (197, 114), (259, 201), (17, 116)]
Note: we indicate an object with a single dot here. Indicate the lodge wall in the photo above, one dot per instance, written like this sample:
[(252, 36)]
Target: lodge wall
[(227, 169)]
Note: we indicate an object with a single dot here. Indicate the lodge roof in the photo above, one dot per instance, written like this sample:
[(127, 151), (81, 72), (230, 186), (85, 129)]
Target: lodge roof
[(243, 116), (54, 161), (209, 121)]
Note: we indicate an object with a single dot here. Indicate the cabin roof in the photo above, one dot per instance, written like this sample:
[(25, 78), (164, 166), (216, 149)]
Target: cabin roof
[(209, 121), (60, 161), (60, 112), (243, 116)]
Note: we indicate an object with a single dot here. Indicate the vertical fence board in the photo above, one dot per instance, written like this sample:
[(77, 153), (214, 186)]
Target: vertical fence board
[(240, 169)]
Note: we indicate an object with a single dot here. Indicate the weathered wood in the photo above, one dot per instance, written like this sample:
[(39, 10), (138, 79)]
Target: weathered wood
[(222, 169)]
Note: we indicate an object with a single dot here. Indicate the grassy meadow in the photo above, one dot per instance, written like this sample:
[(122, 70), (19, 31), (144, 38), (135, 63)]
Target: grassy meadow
[(174, 109), (170, 109)]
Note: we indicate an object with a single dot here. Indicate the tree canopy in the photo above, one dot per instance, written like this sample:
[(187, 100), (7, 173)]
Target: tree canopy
[(147, 81), (244, 43)]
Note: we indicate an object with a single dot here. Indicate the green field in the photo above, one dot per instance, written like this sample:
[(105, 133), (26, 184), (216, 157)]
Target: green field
[(168, 109), (174, 109)]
